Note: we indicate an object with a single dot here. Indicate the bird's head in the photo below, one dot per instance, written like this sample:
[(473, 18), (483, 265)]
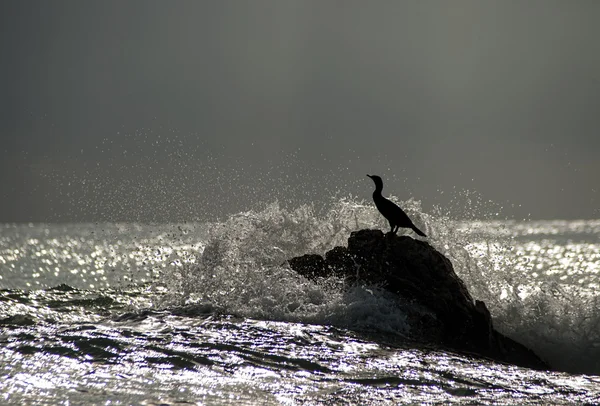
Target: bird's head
[(377, 180)]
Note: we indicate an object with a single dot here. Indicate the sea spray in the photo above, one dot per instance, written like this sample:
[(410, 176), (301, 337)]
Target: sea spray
[(242, 272)]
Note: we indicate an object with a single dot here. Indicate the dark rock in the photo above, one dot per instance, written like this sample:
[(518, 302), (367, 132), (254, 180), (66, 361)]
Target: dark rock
[(441, 309), (339, 261), (312, 265)]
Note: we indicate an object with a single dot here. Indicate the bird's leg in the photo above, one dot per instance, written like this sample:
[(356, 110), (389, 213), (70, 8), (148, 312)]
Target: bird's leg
[(391, 227), (396, 229)]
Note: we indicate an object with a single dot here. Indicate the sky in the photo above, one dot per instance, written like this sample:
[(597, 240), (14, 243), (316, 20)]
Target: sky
[(193, 110)]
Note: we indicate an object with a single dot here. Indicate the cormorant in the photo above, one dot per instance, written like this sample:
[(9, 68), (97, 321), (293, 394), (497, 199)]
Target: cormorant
[(394, 214)]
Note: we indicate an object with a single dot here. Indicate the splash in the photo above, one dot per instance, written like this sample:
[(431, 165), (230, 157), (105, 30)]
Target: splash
[(241, 271)]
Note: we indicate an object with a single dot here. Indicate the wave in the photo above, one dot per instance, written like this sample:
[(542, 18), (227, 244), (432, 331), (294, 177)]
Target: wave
[(240, 270)]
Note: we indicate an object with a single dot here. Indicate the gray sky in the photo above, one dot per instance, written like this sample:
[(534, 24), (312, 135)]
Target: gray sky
[(186, 110)]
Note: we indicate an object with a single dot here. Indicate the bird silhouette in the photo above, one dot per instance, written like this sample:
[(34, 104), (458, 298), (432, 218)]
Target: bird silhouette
[(394, 214)]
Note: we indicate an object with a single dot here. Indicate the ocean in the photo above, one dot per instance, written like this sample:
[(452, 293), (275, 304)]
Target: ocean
[(209, 314)]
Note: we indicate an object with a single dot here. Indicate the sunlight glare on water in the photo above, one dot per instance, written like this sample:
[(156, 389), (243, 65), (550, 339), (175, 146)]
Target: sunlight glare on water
[(272, 363), (156, 319)]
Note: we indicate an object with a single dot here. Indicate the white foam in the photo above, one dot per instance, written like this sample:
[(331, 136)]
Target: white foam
[(240, 272)]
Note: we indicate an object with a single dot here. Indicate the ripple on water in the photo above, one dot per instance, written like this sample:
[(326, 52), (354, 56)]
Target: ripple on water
[(217, 359)]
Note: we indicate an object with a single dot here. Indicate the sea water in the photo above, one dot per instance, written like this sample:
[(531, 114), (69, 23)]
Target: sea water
[(209, 314)]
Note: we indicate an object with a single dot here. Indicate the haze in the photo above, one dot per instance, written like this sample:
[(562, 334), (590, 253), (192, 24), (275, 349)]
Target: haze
[(192, 110)]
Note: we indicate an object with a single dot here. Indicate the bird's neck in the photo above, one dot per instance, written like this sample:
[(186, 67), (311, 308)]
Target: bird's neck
[(377, 192)]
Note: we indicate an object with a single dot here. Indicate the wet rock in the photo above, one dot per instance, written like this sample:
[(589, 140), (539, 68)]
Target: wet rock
[(439, 307), (312, 265)]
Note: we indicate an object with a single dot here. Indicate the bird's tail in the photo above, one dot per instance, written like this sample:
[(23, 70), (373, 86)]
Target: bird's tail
[(419, 232)]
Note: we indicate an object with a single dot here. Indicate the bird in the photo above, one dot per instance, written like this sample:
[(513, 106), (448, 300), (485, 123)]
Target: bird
[(394, 214)]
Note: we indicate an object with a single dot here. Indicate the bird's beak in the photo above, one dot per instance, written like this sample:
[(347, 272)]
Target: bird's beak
[(369, 176)]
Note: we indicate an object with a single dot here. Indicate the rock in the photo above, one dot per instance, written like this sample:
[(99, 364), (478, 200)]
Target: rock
[(439, 307), (312, 265)]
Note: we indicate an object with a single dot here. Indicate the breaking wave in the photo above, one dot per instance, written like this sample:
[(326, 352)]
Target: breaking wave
[(241, 270)]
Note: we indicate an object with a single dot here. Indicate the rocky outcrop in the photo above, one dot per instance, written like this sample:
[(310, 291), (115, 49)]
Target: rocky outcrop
[(438, 305)]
